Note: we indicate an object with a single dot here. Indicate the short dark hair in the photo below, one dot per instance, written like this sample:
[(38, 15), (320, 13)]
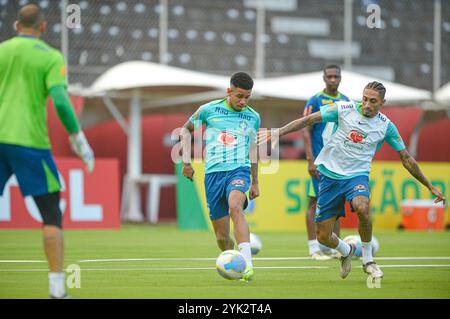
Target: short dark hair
[(30, 16), (331, 66), (377, 86), (242, 80)]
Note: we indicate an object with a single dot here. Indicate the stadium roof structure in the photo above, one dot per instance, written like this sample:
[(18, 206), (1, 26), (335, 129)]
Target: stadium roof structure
[(162, 88), (302, 86), (140, 74)]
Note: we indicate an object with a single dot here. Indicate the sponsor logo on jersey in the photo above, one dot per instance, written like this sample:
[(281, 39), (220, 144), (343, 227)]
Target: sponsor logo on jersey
[(360, 188), (381, 117), (63, 70), (238, 182), (245, 117), (226, 138), (357, 136), (221, 110), (346, 106), (326, 101)]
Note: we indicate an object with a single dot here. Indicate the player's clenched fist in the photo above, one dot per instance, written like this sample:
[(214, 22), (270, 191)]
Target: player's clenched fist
[(188, 171)]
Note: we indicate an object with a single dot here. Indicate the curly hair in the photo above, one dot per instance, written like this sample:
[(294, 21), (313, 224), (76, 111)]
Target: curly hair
[(377, 86)]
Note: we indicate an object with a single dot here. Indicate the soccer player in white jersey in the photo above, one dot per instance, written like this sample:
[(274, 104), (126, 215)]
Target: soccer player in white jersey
[(344, 165)]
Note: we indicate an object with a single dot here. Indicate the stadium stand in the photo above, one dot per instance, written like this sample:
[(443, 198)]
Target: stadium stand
[(218, 36)]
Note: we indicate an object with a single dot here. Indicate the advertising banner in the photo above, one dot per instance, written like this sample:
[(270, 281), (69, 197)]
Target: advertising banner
[(87, 200), (283, 201)]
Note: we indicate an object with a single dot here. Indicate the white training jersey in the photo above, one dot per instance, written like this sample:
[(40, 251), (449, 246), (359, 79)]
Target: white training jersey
[(350, 150)]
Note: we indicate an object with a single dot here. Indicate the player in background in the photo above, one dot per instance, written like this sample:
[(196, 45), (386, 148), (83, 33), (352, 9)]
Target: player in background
[(231, 129), (314, 137), (344, 165), (30, 70)]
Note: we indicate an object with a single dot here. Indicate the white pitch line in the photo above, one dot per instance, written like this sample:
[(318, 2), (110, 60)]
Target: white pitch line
[(409, 266), (23, 261), (206, 259), (210, 268), (162, 269), (187, 258), (255, 258), (412, 258), (141, 259)]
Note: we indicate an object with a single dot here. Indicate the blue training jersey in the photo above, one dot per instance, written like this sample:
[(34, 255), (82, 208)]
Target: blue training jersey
[(229, 134), (316, 102)]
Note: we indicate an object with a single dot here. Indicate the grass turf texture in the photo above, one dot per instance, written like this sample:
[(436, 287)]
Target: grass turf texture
[(273, 278)]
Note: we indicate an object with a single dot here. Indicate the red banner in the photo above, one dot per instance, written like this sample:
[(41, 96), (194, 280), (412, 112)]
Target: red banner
[(87, 200)]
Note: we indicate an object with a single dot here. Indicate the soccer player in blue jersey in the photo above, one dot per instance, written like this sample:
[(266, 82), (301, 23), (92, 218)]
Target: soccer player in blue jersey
[(344, 165), (314, 137), (231, 130), (30, 70)]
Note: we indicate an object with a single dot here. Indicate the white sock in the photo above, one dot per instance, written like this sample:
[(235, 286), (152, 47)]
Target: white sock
[(313, 246), (343, 248), (57, 281), (367, 252), (245, 250)]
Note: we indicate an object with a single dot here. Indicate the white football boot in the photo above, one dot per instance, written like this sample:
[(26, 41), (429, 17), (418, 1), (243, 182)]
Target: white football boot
[(346, 262)]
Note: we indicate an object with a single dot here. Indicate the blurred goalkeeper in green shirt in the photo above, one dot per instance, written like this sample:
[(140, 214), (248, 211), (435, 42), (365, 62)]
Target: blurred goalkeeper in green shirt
[(30, 71)]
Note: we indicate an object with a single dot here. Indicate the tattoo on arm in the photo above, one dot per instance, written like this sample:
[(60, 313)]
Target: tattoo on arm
[(413, 168), (404, 155), (301, 123)]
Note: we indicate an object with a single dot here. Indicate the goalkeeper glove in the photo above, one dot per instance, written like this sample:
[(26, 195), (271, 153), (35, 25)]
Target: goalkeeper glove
[(81, 147)]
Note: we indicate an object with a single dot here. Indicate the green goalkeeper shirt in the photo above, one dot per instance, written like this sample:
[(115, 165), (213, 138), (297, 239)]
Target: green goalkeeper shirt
[(29, 68)]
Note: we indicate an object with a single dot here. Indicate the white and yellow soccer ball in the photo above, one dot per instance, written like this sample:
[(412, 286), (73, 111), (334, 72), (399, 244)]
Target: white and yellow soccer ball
[(231, 264), (356, 240), (255, 243)]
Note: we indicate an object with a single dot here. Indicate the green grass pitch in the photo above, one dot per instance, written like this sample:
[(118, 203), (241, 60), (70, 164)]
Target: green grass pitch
[(162, 262)]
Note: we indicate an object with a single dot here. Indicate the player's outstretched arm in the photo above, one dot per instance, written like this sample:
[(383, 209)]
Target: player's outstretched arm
[(264, 135), (413, 168), (186, 131), (67, 116), (301, 123)]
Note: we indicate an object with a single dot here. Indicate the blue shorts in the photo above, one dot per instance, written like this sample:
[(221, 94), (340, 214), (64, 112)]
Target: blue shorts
[(34, 168), (218, 186), (334, 192)]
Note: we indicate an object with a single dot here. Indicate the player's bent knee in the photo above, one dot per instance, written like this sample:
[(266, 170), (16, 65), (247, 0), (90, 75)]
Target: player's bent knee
[(235, 210), (360, 206), (48, 206), (362, 210)]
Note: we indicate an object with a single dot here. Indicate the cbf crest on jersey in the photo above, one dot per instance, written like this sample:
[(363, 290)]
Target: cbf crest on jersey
[(243, 125)]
